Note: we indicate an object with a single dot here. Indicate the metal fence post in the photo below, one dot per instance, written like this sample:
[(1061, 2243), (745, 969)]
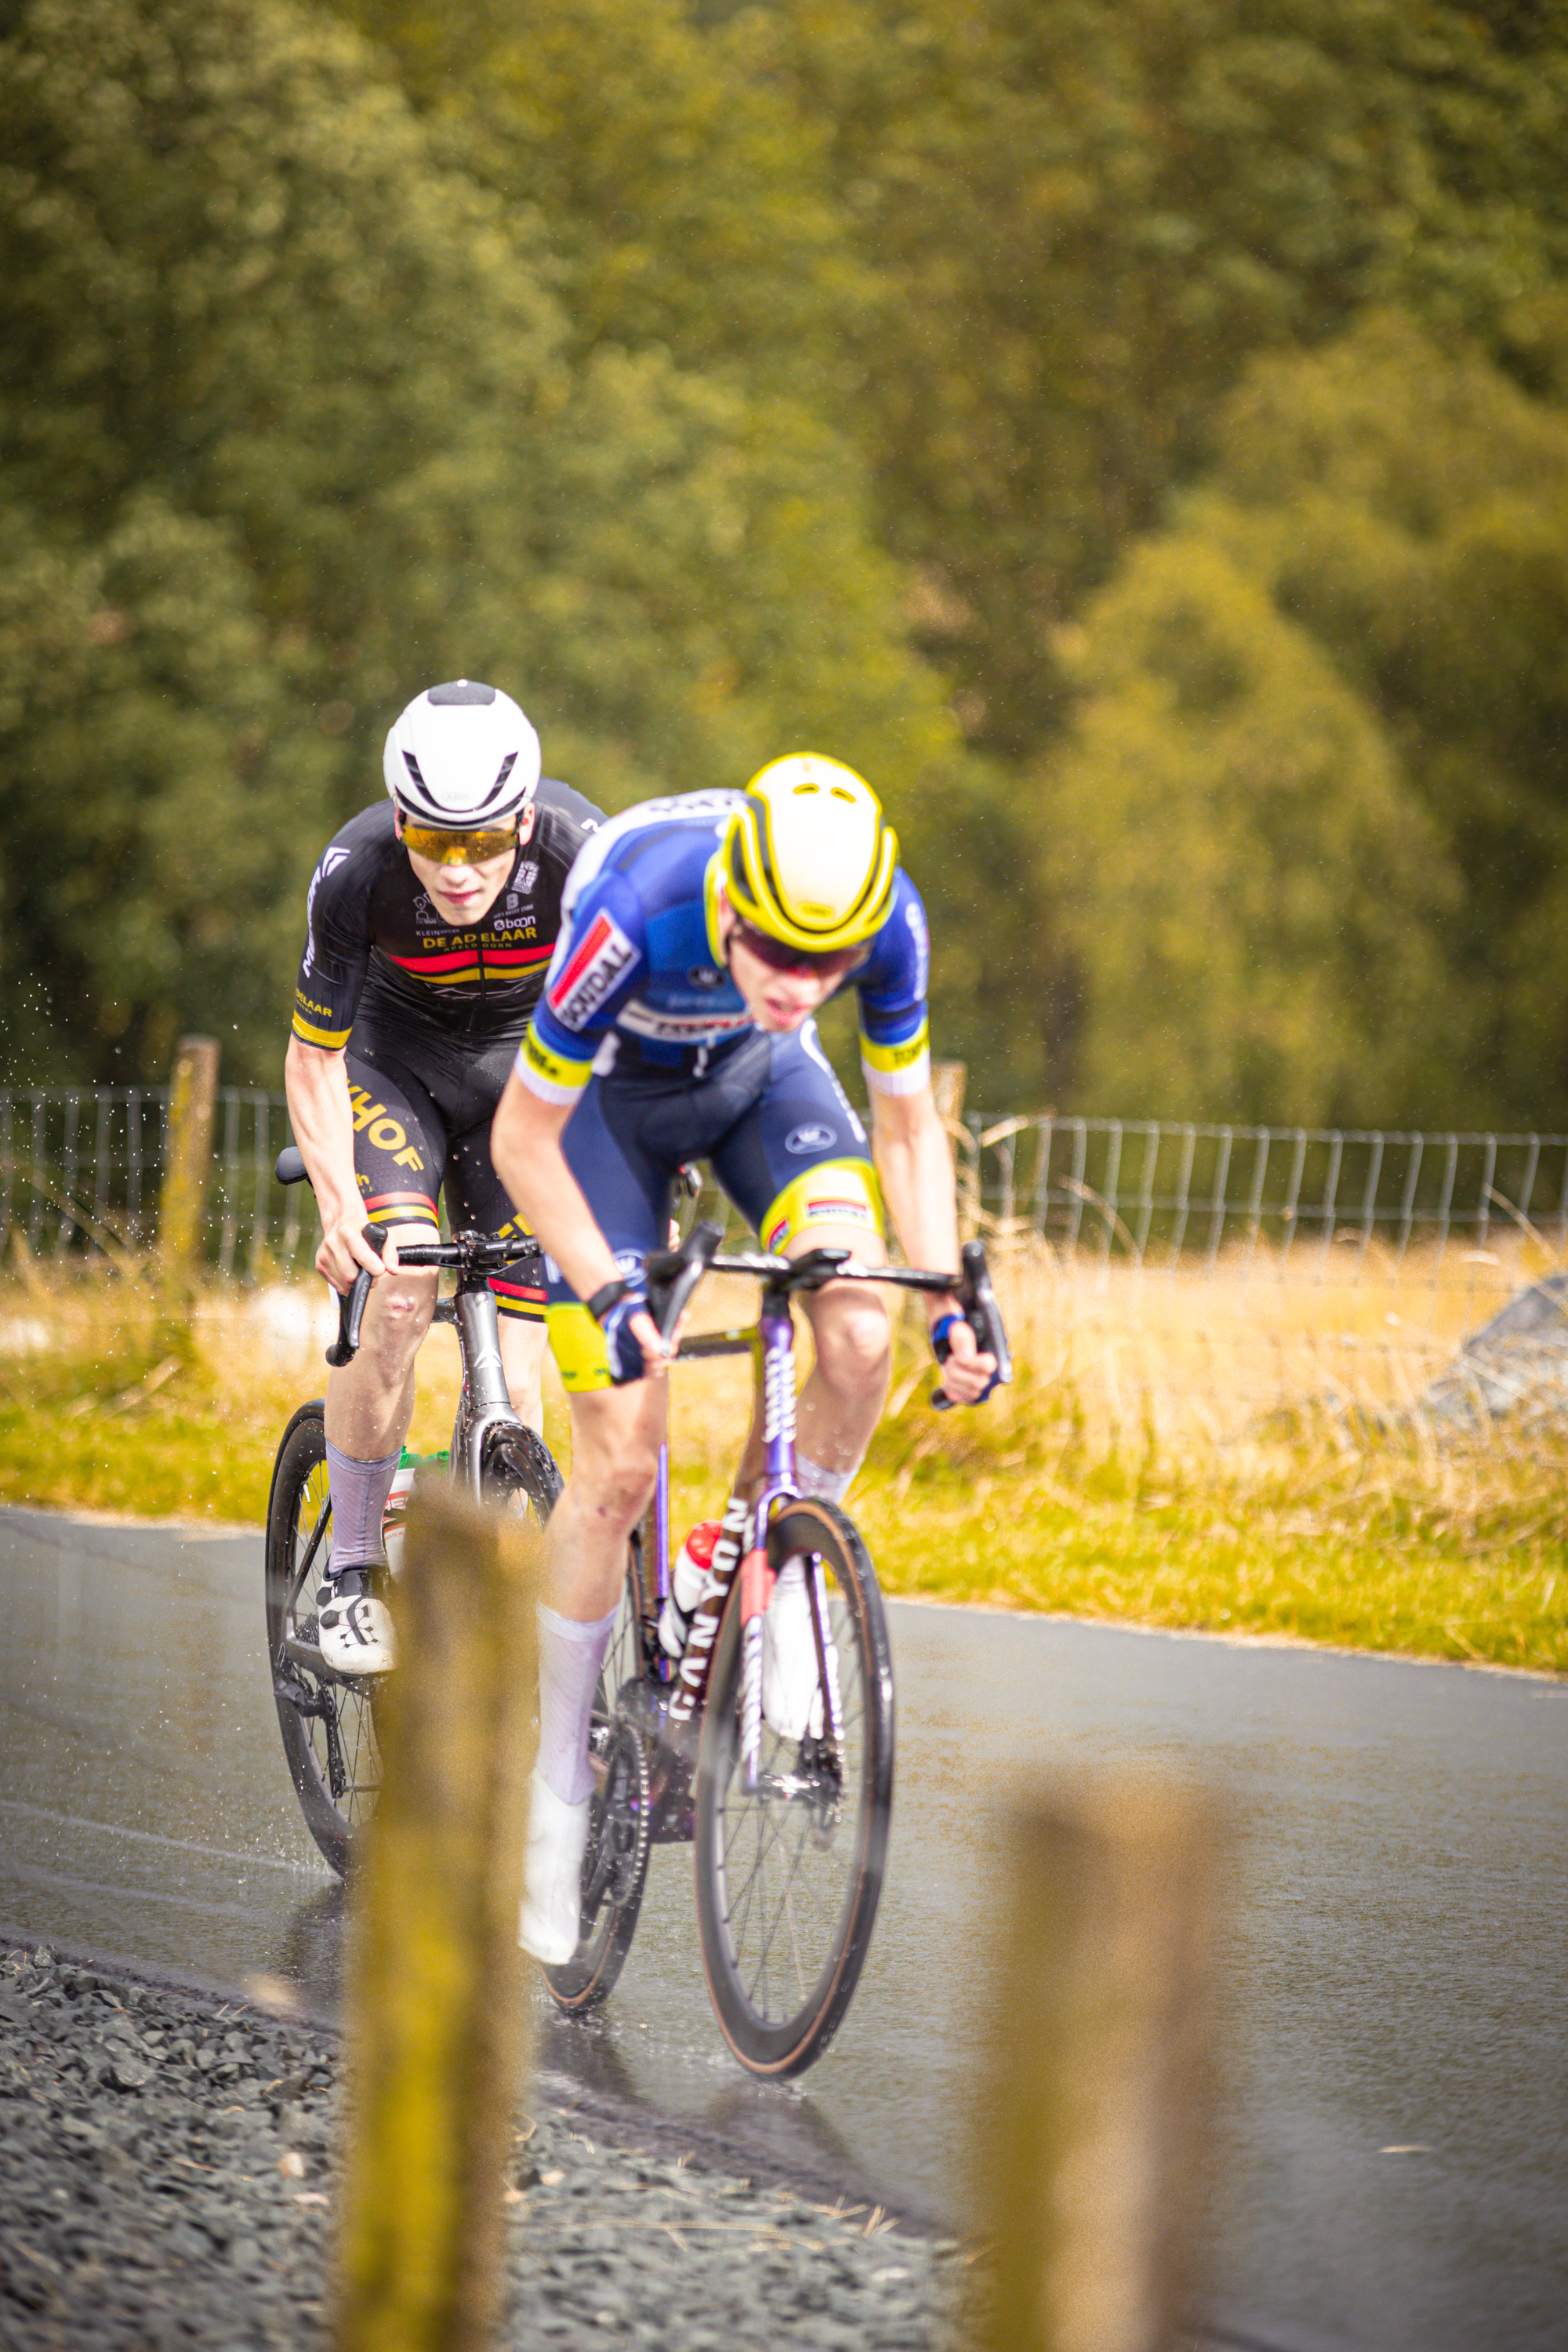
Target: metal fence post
[(1091, 2133), (436, 1995), (187, 1153)]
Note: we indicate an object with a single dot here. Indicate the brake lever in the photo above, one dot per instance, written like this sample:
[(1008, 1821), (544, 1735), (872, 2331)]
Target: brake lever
[(674, 1274), (352, 1304), (984, 1318)]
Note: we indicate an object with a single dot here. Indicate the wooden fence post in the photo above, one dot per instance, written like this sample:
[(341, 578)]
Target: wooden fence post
[(434, 1989), (187, 1155), (1091, 2142)]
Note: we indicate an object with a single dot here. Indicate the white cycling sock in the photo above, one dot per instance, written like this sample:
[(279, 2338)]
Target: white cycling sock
[(569, 1657), (822, 1486), (360, 1490)]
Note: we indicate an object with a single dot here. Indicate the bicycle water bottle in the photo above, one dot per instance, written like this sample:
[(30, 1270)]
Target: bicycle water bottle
[(686, 1586), (392, 1523)]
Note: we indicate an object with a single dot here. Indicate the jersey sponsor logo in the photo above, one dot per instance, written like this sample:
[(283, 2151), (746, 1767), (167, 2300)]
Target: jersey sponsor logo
[(385, 1133), (704, 975), (902, 1056), (653, 1021), (558, 1079), (592, 972), (813, 1136)]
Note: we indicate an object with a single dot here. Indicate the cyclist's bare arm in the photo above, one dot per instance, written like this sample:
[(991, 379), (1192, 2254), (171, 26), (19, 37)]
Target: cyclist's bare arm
[(525, 1145), (914, 1162), (316, 1081)]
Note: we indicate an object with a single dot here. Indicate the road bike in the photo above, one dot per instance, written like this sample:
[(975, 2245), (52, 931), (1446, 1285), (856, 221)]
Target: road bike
[(789, 1825), (328, 1719)]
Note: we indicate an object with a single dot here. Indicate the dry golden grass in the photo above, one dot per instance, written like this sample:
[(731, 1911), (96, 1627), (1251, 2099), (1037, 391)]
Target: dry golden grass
[(1232, 1452)]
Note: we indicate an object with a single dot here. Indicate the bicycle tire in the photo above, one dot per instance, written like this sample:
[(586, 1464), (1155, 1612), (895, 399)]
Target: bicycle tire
[(615, 1864), (328, 1723), (766, 1877)]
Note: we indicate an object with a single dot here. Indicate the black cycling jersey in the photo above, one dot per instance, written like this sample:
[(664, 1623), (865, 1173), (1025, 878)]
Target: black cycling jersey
[(375, 944)]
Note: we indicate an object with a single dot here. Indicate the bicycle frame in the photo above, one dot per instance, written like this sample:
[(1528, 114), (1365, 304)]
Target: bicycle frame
[(743, 1545), (483, 1403), (744, 1533)]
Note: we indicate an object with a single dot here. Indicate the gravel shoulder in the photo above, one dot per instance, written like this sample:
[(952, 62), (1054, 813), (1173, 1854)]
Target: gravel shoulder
[(170, 2175)]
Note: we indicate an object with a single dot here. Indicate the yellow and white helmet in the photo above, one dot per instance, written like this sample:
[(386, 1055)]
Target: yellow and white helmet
[(809, 858)]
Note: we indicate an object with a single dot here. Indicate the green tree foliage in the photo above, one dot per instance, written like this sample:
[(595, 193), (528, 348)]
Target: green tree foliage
[(687, 203), (285, 390), (1088, 217), (685, 365), (1247, 885), (1311, 836)]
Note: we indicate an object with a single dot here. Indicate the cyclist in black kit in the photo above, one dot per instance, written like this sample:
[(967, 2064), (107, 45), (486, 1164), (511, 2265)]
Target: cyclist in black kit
[(429, 927)]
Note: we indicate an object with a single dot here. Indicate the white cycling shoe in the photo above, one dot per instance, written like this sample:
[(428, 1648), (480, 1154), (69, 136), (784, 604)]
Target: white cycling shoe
[(354, 1628), (792, 1690), (551, 1922)]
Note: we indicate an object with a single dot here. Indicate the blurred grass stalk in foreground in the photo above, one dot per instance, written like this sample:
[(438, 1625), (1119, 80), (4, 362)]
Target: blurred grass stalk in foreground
[(1235, 1451)]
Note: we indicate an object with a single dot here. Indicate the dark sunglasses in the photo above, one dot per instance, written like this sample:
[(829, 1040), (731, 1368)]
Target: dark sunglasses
[(779, 956)]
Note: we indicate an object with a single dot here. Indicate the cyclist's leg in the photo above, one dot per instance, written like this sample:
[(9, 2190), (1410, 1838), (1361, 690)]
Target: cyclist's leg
[(797, 1165), (615, 1431), (399, 1148), (616, 1435)]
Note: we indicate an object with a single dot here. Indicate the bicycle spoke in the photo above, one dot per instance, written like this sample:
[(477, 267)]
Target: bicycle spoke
[(786, 1885)]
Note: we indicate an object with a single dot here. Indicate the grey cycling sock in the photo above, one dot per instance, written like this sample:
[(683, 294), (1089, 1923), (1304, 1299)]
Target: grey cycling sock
[(822, 1486), (569, 1657), (360, 1490)]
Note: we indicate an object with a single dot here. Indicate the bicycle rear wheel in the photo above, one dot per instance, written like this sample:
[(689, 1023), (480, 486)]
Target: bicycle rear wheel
[(615, 1866), (788, 1878), (328, 1722)]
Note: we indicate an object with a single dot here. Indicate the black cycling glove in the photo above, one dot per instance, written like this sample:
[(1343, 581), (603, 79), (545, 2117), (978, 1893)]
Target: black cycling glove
[(942, 1349), (621, 1342)]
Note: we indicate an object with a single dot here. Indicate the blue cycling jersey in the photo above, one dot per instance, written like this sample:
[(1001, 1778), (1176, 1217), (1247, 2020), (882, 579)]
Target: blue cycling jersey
[(638, 959)]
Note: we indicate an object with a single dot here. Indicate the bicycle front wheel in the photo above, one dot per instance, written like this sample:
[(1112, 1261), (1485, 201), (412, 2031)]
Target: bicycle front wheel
[(328, 1722), (789, 1875)]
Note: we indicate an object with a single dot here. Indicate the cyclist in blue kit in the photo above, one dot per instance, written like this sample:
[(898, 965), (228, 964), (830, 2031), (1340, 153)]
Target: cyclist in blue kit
[(698, 935)]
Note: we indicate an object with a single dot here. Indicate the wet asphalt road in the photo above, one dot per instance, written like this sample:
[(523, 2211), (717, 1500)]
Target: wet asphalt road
[(1394, 1965)]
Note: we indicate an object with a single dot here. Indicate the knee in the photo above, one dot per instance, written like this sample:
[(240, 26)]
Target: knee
[(403, 1303), (853, 1349), (619, 1491)]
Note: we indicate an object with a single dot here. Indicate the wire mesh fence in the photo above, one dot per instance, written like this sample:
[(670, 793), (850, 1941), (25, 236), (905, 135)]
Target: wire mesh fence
[(1168, 1273), (80, 1169), (1187, 1276), (1340, 1205)]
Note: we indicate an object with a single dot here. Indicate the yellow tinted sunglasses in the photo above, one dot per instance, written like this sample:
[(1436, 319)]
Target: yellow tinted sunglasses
[(460, 849)]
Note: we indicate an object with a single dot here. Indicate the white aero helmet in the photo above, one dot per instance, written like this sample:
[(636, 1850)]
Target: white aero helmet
[(462, 757), (809, 858)]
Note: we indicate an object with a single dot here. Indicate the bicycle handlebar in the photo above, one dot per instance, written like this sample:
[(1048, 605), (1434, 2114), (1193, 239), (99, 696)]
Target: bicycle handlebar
[(466, 1253), (673, 1276)]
